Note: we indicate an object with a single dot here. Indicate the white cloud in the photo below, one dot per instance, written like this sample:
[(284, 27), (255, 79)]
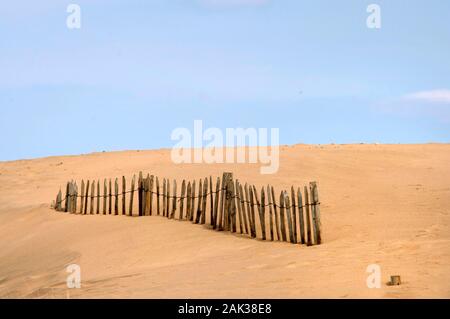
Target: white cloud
[(435, 96)]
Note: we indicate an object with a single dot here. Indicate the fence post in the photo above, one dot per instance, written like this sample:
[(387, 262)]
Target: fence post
[(98, 197), (116, 197), (239, 208), (105, 195), (232, 224), (211, 197), (244, 213), (216, 204), (204, 198), (300, 216), (183, 190), (308, 219), (91, 210), (140, 188), (294, 214), (289, 217), (124, 191), (164, 198), (277, 223), (191, 213), (82, 197), (150, 190), (157, 195), (66, 204), (252, 207), (315, 212), (174, 200), (110, 197), (188, 201), (147, 195), (269, 203), (199, 203), (86, 197), (133, 182), (282, 223), (167, 198)]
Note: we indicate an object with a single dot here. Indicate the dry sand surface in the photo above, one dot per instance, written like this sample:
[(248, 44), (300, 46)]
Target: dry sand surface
[(380, 204)]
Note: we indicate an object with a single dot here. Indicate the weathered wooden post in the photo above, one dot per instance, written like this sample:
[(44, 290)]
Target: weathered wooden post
[(98, 197), (82, 198), (250, 210), (232, 207), (211, 197), (245, 214), (151, 194), (270, 204), (199, 203), (86, 196), (133, 182), (147, 195), (183, 191), (315, 212), (174, 200), (91, 210), (216, 204), (308, 219), (124, 191), (191, 213), (110, 197), (157, 196), (140, 191), (282, 223), (300, 217), (188, 201), (116, 197), (289, 217), (164, 198), (105, 195), (239, 208), (66, 208), (205, 195), (168, 198)]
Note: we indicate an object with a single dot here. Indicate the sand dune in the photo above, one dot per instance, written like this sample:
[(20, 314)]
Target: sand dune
[(380, 204)]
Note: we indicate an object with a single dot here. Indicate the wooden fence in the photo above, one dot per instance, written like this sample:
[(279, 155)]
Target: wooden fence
[(229, 206)]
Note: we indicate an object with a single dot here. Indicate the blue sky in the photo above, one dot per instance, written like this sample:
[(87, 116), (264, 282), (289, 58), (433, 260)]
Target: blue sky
[(136, 70)]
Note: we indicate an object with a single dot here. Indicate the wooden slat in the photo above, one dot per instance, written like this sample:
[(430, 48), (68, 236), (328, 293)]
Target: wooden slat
[(147, 196), (82, 197), (294, 214), (164, 198), (124, 191), (110, 197), (133, 182), (270, 204), (157, 196), (174, 200), (289, 217), (275, 212), (308, 218), (86, 196), (91, 211), (282, 222), (152, 178), (219, 224), (191, 214), (253, 216), (249, 212), (98, 197), (216, 204), (211, 201), (199, 203), (183, 190), (140, 191), (116, 197), (239, 208), (315, 212), (300, 216), (167, 198), (105, 195), (204, 199), (233, 217), (188, 201), (244, 213)]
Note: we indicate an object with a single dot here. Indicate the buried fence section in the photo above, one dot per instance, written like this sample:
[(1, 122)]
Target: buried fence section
[(233, 206)]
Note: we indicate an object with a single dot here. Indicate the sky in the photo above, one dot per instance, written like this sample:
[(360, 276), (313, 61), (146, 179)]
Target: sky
[(136, 70)]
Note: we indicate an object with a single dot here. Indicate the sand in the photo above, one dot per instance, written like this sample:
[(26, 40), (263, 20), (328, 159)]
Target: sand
[(380, 204)]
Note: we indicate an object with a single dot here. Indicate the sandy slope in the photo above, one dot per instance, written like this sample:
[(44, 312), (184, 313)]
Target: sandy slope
[(383, 204)]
